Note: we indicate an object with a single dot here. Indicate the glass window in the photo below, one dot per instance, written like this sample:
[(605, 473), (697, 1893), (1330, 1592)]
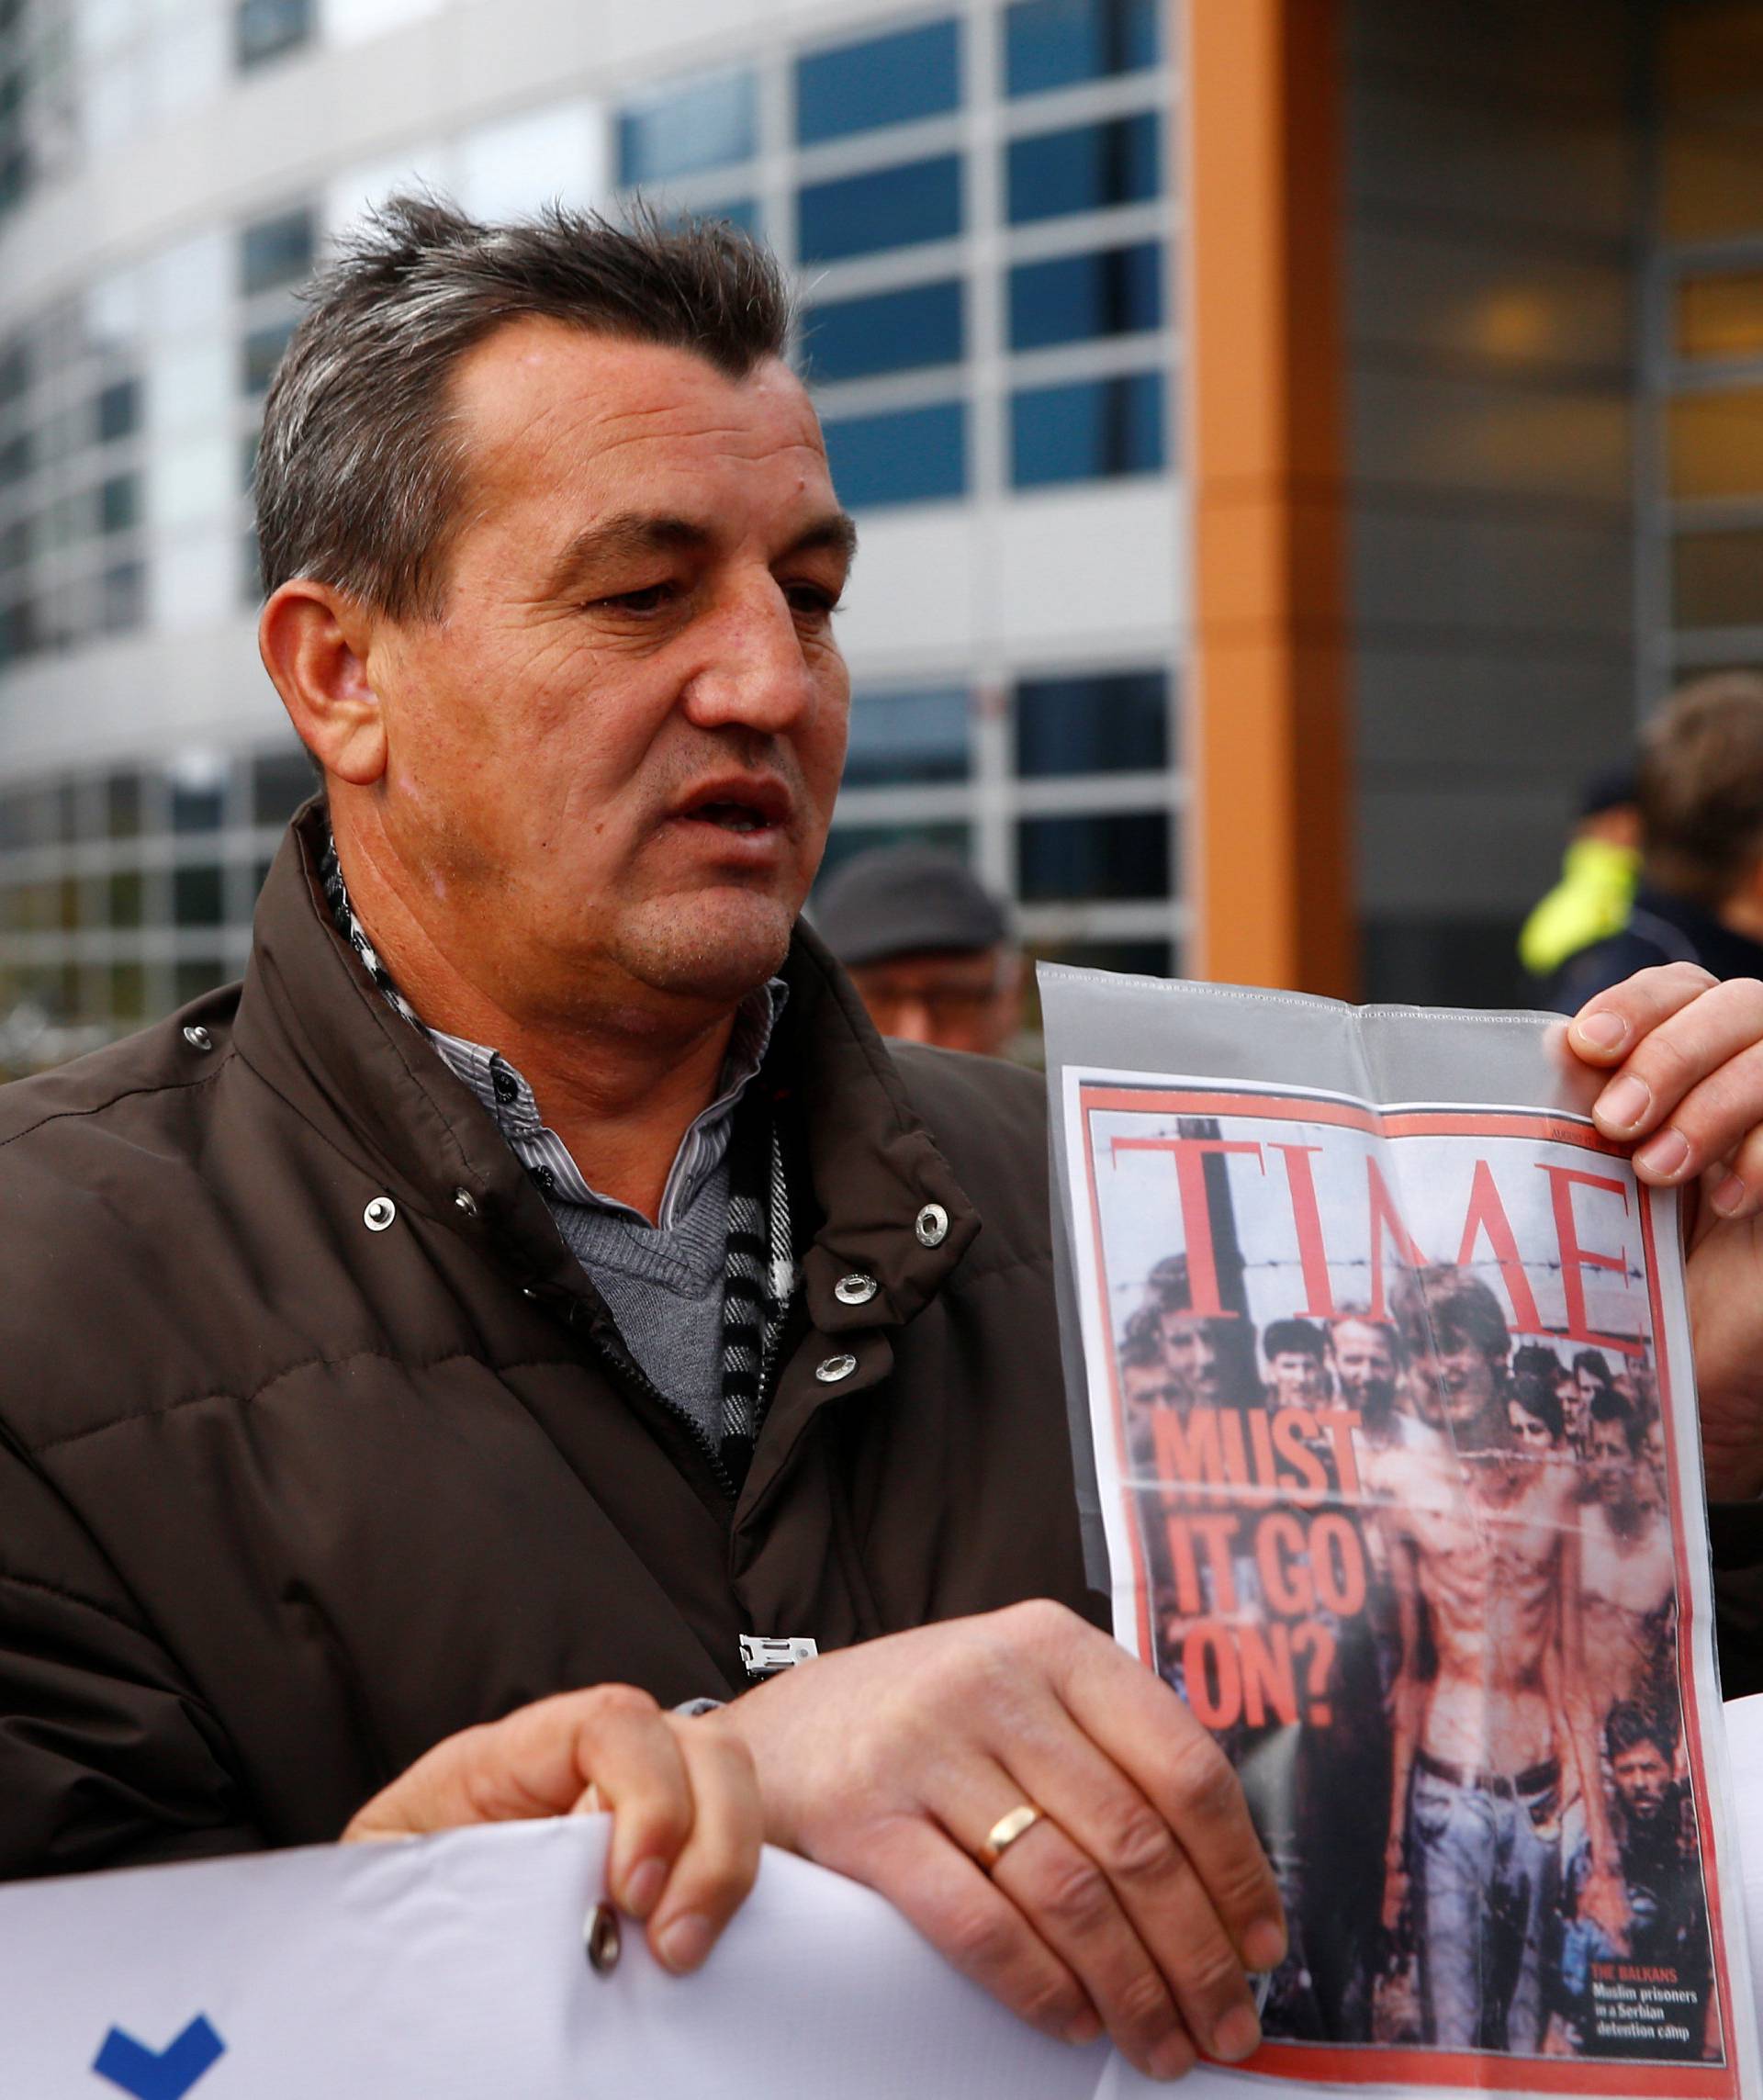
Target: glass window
[(907, 738), (15, 368), (1055, 43), (890, 332), (1089, 431), (1072, 298), (122, 597), (18, 634), (192, 978), (28, 907), (1073, 859), (889, 208), (1721, 317), (887, 80), (199, 792), (265, 29), (1716, 442), (260, 353), (127, 991), (26, 819), (124, 902), (118, 410), (681, 130), (1084, 169), (199, 897), (122, 805), (14, 459), (276, 251), (846, 840), (1718, 578), (280, 783), (912, 455), (119, 503), (1115, 722)]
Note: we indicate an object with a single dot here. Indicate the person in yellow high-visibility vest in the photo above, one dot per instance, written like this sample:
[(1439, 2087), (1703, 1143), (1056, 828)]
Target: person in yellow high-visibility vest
[(1599, 872)]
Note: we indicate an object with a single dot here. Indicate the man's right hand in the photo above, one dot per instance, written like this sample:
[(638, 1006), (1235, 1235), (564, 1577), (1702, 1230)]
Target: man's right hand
[(685, 1809), (1138, 1900)]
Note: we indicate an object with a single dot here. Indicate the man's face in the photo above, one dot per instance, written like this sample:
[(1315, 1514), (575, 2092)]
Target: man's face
[(1575, 1410), (1589, 1385), (610, 765), (1365, 1366), (1655, 1446), (1191, 1353), (1297, 1378), (961, 1002), (1642, 1780), (1141, 1385), (1608, 1453), (1466, 1378), (1529, 1432)]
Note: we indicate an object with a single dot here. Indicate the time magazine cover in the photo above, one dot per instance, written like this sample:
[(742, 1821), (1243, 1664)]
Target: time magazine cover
[(1382, 1383)]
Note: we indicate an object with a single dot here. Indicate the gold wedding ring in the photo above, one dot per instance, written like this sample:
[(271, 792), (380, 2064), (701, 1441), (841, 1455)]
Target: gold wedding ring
[(1004, 1832)]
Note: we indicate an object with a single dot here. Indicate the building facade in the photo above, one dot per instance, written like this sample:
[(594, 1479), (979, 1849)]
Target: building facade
[(1519, 488)]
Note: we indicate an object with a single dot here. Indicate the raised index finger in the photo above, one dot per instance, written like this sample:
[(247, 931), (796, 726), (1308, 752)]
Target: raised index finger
[(1135, 1719)]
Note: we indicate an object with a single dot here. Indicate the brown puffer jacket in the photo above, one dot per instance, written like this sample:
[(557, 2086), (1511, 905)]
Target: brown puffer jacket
[(284, 1500)]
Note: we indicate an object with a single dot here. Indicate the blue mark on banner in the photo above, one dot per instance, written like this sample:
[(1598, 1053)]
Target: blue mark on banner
[(163, 2075)]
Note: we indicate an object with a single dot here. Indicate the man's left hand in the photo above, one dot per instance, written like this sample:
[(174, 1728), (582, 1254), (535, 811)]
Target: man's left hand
[(1684, 1056)]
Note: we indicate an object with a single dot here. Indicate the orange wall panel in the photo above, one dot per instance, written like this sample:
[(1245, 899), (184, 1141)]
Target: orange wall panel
[(1271, 855)]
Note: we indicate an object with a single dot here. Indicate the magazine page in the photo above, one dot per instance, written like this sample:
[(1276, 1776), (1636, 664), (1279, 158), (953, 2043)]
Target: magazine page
[(1385, 1380)]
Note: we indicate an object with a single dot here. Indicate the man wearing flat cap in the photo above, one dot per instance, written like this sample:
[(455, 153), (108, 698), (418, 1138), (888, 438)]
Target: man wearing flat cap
[(536, 1302), (927, 945)]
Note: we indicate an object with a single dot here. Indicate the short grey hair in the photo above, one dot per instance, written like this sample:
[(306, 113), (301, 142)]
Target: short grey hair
[(360, 470)]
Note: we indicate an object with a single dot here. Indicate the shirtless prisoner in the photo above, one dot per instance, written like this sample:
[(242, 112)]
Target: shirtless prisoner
[(1630, 1577), (1484, 1552)]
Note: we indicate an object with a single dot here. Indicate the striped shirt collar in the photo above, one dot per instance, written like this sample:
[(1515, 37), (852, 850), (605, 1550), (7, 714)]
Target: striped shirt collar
[(504, 1093)]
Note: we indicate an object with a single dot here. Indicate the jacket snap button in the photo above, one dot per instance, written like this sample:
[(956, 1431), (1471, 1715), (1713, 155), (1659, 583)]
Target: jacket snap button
[(199, 1037), (831, 1369), (463, 1200), (931, 1225), (855, 1290), (379, 1214)]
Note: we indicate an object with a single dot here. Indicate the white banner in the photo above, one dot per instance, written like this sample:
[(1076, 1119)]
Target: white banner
[(453, 1969)]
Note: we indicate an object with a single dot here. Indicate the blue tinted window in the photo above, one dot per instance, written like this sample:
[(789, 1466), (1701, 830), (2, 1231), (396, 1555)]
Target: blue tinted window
[(907, 738), (1088, 431), (891, 331), (892, 208), (912, 456), (1053, 43), (264, 29), (1084, 169), (888, 80), (680, 130), (1111, 723), (1072, 298), (276, 251), (1073, 859)]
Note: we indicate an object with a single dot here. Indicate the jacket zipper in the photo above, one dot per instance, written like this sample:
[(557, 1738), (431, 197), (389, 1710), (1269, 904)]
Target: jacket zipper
[(632, 1372), (626, 1366)]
